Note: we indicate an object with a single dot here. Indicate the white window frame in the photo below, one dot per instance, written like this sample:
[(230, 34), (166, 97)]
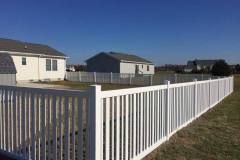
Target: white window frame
[(24, 58), (48, 65), (54, 68)]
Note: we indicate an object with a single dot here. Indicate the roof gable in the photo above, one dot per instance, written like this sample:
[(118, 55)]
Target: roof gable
[(26, 47)]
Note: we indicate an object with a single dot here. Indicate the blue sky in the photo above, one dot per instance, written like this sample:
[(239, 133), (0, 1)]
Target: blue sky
[(165, 32)]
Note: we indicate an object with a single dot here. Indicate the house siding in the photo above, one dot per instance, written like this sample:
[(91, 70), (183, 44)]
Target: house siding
[(35, 69), (28, 71), (130, 68), (52, 75)]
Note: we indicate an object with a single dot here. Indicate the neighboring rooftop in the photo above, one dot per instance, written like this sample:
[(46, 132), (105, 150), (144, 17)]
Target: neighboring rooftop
[(26, 47), (124, 57), (203, 62)]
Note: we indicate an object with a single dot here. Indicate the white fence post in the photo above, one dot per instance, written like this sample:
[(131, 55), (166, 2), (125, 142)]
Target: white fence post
[(130, 79), (210, 92), (95, 124), (195, 97), (111, 77), (175, 78), (79, 76), (94, 77), (151, 80), (167, 109)]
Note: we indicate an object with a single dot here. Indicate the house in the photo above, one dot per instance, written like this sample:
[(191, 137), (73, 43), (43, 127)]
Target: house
[(7, 70), (34, 62), (119, 63), (197, 65), (70, 68)]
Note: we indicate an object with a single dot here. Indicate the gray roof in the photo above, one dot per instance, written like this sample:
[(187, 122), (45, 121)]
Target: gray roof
[(123, 57), (7, 65), (26, 47)]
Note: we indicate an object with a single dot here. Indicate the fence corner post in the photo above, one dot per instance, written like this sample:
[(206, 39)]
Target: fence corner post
[(95, 124), (167, 82), (195, 97)]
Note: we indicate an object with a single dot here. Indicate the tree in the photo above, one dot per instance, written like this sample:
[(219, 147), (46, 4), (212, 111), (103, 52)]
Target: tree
[(221, 68), (237, 68)]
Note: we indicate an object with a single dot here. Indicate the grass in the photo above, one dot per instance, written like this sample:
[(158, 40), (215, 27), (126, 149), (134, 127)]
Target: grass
[(85, 86), (214, 136)]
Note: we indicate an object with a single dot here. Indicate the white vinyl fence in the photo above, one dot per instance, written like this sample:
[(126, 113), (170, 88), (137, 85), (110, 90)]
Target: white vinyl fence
[(133, 79), (101, 125)]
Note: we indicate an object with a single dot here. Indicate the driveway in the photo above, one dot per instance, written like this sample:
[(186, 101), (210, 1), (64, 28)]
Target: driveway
[(39, 85)]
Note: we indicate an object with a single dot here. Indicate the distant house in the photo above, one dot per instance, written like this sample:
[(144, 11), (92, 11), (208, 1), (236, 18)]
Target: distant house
[(70, 68), (197, 65), (34, 61), (119, 63)]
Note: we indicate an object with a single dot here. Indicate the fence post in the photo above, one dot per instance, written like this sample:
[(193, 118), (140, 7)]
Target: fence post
[(151, 80), (167, 109), (175, 78), (94, 77), (210, 92), (111, 77), (95, 124), (130, 79), (195, 97), (66, 76), (79, 76)]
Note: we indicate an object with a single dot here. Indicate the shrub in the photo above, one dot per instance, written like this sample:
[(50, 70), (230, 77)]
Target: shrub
[(237, 68), (221, 68)]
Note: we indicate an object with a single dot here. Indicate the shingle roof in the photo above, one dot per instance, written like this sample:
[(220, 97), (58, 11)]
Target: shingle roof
[(7, 65), (124, 57), (205, 62), (26, 47)]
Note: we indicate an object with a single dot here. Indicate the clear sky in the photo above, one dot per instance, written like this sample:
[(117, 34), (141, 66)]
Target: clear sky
[(165, 32)]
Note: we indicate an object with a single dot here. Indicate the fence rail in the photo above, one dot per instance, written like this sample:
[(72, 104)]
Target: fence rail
[(133, 79), (101, 125)]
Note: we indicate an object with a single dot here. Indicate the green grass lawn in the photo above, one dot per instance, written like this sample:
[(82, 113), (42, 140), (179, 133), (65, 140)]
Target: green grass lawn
[(214, 136), (85, 86)]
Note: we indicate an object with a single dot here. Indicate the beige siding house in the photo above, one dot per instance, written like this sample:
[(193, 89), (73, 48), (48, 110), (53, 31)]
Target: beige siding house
[(119, 63), (34, 62)]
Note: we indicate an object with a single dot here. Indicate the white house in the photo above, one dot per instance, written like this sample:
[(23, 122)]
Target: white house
[(34, 62), (119, 63)]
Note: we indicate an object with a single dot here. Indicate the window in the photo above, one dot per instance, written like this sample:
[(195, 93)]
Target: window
[(54, 65), (48, 65), (142, 66), (147, 68), (24, 61)]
